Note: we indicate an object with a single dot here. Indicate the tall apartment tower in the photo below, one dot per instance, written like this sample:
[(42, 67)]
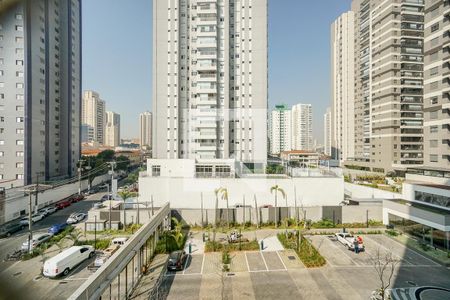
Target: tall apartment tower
[(327, 132), (93, 116), (40, 90), (437, 85), (302, 137), (210, 80), (343, 86), (145, 129), (112, 129), (280, 128), (389, 39)]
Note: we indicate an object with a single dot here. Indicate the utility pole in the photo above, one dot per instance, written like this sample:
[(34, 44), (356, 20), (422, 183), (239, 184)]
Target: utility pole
[(36, 195), (109, 198), (30, 231), (80, 168)]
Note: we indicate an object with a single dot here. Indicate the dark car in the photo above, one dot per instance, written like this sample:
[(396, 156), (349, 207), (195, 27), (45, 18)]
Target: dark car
[(57, 228), (176, 261), (10, 229)]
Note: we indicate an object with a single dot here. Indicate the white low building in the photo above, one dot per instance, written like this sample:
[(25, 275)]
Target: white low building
[(192, 184)]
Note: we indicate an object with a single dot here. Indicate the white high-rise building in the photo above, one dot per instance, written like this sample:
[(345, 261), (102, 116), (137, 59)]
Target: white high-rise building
[(210, 80), (93, 116), (343, 86), (145, 129), (327, 133), (112, 129), (280, 128), (302, 136), (40, 75)]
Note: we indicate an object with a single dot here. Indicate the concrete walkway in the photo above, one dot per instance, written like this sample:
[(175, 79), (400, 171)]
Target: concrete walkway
[(151, 280), (197, 244), (271, 243)]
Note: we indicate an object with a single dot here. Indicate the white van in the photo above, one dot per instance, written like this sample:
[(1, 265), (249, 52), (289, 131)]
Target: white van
[(65, 261)]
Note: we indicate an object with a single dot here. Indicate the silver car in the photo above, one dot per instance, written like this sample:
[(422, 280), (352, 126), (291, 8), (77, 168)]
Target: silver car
[(36, 241)]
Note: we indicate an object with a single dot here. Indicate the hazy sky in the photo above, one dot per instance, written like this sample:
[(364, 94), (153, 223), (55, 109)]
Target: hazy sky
[(117, 41)]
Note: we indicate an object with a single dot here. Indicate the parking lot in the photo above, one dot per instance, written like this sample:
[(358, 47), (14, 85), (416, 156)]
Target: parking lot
[(281, 275), (25, 276)]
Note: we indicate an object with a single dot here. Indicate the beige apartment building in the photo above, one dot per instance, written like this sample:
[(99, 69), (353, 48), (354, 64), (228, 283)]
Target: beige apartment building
[(343, 87), (437, 85), (93, 116), (389, 39)]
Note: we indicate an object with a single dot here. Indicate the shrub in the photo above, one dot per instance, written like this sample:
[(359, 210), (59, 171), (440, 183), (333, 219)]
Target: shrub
[(325, 223), (392, 232), (101, 244), (211, 246)]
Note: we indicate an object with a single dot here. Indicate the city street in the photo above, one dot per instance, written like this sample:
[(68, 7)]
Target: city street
[(8, 245)]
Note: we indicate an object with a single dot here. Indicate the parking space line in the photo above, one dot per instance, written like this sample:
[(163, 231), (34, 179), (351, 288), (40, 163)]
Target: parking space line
[(246, 260), (185, 263), (262, 271), (351, 259), (203, 263), (281, 260), (264, 260)]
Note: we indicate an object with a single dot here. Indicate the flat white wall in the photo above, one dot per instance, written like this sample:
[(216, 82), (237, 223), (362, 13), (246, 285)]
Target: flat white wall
[(173, 167), (15, 205), (410, 188), (187, 192), (429, 179), (365, 192)]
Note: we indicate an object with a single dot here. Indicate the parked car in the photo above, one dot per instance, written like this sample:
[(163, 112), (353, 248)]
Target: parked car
[(76, 198), (75, 218), (62, 263), (62, 204), (176, 261), (57, 228), (36, 241), (9, 229), (34, 218), (43, 212), (348, 240), (51, 209), (105, 197)]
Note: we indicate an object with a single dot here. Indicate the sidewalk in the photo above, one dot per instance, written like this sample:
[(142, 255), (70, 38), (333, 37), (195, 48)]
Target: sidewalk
[(197, 244), (144, 290)]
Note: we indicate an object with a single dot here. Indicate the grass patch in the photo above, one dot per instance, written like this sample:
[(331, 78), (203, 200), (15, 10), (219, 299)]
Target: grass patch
[(129, 230), (211, 246), (309, 255)]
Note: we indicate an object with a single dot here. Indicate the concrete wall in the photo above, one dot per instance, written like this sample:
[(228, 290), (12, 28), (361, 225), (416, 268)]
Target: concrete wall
[(18, 204), (189, 192), (340, 214), (365, 192)]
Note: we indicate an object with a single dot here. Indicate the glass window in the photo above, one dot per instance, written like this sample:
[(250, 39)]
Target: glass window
[(156, 171), (433, 158)]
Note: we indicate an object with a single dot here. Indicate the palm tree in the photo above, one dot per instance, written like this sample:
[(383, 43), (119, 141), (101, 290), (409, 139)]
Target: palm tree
[(125, 195), (277, 189), (74, 236), (177, 232), (224, 192), (216, 192)]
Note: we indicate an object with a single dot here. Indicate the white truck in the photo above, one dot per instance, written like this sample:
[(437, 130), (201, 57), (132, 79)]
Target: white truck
[(348, 240), (65, 261)]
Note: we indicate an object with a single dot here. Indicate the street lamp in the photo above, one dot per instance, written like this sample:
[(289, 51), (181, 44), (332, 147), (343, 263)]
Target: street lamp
[(107, 187)]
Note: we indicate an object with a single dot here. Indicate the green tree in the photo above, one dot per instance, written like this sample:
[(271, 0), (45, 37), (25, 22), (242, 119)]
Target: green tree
[(122, 162), (224, 192), (276, 189), (106, 155), (125, 195), (177, 232), (74, 236)]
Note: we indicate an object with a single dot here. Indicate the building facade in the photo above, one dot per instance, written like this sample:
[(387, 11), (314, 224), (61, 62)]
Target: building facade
[(209, 95), (145, 129), (343, 86), (40, 90), (94, 116), (437, 85), (301, 128), (112, 129), (280, 128), (389, 84), (327, 143)]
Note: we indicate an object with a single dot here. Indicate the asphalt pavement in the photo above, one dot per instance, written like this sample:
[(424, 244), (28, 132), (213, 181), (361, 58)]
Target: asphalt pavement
[(8, 245)]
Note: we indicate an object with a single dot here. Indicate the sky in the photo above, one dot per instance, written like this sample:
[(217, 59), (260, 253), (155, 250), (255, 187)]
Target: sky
[(117, 55)]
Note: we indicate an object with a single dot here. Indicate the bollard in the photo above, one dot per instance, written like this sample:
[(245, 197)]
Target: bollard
[(190, 248), (262, 245)]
